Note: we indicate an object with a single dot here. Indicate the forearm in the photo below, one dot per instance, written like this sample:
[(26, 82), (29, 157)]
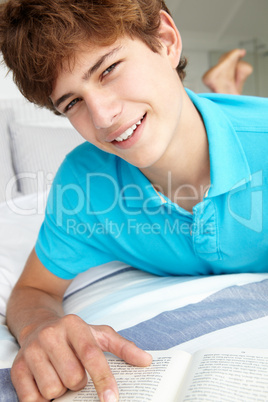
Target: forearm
[(35, 318), (29, 308), (57, 350)]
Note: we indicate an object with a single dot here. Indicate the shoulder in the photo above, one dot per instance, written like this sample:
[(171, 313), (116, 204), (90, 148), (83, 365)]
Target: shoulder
[(249, 124), (88, 156), (248, 113), (84, 160), (85, 179)]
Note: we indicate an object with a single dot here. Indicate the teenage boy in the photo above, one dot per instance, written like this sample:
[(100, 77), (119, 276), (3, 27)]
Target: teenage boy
[(157, 156)]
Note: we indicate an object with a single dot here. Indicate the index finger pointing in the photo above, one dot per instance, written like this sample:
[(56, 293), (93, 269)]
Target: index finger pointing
[(94, 361)]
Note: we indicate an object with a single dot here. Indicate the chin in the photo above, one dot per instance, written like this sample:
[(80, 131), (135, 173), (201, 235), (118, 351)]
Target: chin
[(144, 163), (150, 159)]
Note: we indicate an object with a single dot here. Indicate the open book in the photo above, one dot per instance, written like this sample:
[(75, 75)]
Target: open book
[(208, 375)]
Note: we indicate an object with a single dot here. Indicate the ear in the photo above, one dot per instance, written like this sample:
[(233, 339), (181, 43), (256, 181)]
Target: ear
[(170, 38)]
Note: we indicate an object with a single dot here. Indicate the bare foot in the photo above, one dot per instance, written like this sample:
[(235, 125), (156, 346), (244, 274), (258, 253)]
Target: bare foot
[(243, 70), (229, 74)]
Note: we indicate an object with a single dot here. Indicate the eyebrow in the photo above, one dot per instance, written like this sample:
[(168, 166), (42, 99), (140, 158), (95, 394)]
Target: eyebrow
[(99, 63), (88, 74)]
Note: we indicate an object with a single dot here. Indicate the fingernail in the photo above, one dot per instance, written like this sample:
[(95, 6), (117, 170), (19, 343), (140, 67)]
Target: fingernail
[(109, 396)]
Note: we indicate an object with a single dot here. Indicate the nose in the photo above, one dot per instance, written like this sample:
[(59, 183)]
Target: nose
[(104, 108)]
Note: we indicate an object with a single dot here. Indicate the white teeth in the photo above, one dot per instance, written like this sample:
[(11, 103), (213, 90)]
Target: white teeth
[(128, 132), (125, 135)]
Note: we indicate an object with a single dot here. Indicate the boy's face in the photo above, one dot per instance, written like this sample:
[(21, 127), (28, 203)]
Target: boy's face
[(124, 98)]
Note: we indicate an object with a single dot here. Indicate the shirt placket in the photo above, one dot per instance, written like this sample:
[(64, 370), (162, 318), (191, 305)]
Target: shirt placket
[(204, 231)]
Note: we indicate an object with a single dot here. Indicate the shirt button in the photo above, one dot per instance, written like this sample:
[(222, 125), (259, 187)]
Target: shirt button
[(191, 233)]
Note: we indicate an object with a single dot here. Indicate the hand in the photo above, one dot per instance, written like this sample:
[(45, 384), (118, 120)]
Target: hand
[(54, 357)]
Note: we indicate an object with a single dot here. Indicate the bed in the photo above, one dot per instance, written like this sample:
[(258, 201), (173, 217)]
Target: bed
[(156, 313)]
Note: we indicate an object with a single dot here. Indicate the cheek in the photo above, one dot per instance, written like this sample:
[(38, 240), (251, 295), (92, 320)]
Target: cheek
[(152, 83), (132, 86), (82, 124), (141, 80)]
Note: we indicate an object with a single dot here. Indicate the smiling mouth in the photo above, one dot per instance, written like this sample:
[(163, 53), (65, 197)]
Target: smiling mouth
[(129, 132)]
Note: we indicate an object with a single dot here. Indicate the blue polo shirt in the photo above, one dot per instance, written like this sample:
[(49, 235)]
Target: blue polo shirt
[(102, 209)]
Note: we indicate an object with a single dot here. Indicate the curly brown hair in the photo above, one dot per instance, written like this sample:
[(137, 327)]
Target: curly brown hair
[(37, 36)]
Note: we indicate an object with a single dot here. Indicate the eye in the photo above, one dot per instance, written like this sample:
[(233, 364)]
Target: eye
[(71, 104), (109, 69)]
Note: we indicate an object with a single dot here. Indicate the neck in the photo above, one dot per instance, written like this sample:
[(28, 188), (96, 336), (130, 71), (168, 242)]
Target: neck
[(183, 173)]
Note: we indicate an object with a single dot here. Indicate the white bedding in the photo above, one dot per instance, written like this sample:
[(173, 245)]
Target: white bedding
[(20, 220)]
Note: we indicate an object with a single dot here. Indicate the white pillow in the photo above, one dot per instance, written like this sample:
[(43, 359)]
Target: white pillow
[(20, 220), (6, 168), (38, 152), (27, 113)]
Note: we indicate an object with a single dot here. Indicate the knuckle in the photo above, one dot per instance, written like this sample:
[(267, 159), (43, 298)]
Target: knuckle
[(107, 329), (103, 335), (103, 380), (53, 391), (77, 381), (47, 333), (125, 349), (90, 353), (72, 320), (33, 352), (18, 369), (50, 337)]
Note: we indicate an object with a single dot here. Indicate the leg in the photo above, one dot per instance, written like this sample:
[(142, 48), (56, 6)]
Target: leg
[(229, 74)]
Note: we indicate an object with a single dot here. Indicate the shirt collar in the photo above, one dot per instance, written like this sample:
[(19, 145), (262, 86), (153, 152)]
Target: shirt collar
[(228, 163)]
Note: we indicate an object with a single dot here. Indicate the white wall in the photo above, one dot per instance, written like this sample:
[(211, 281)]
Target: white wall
[(198, 64), (8, 89)]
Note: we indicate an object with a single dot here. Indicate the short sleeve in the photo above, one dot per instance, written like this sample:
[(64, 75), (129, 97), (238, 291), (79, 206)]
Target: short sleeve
[(66, 245)]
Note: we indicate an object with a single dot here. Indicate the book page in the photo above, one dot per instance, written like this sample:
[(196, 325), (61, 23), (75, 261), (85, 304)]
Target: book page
[(228, 375), (158, 382)]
